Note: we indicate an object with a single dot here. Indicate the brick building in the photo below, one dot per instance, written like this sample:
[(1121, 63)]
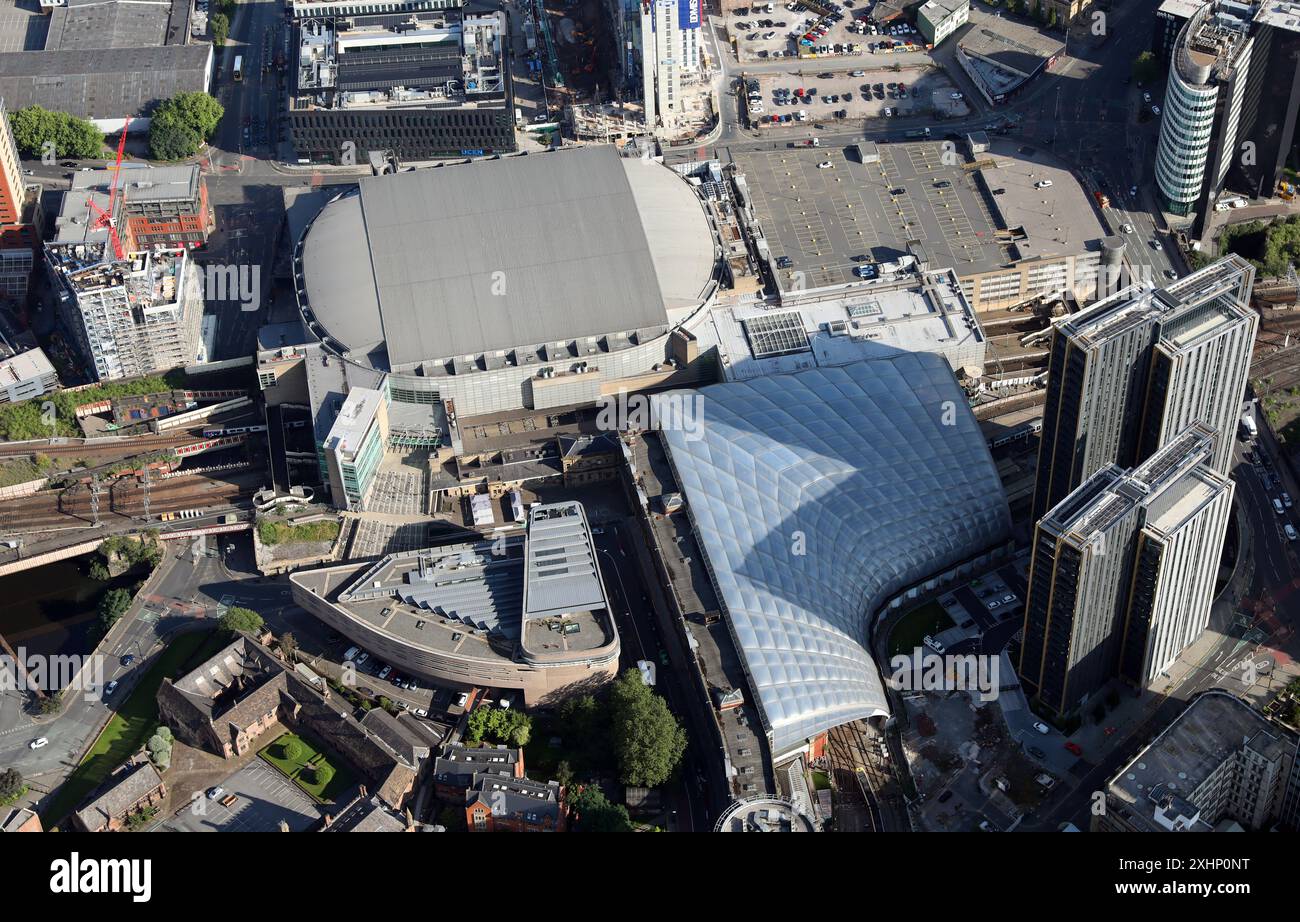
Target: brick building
[(132, 788), (497, 803), (227, 704)]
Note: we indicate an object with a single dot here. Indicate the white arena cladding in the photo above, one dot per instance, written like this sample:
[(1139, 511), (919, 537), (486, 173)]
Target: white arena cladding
[(527, 281)]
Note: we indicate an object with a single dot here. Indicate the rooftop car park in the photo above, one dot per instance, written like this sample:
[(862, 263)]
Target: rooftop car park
[(807, 28), (790, 99)]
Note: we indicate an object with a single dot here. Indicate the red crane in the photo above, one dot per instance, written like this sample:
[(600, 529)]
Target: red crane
[(105, 218)]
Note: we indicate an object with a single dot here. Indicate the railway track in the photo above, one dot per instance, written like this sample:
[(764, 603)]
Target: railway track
[(54, 509), (75, 448)]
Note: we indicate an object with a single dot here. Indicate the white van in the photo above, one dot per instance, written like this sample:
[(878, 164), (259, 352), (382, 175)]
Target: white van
[(350, 652)]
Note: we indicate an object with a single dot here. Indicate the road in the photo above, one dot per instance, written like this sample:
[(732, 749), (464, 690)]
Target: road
[(188, 589)]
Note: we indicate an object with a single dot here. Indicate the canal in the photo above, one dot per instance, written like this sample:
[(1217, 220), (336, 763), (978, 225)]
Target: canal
[(54, 609)]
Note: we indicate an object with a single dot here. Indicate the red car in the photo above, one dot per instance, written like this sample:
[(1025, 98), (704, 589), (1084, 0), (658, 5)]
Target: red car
[(1074, 749)]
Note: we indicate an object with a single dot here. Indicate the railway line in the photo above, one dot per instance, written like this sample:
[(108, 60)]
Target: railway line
[(857, 763), (122, 499), (77, 448)]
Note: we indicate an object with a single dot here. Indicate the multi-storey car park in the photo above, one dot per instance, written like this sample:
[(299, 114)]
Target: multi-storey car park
[(137, 315), (520, 612), (421, 79)]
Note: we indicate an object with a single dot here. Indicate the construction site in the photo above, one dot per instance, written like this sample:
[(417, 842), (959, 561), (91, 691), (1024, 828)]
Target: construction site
[(580, 39)]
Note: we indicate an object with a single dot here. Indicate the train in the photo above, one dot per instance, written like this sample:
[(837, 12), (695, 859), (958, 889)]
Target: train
[(218, 432)]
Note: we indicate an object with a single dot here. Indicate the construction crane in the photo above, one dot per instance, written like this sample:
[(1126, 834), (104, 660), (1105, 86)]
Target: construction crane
[(105, 218)]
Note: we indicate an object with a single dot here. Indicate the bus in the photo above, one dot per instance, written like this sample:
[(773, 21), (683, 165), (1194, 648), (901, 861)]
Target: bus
[(238, 70)]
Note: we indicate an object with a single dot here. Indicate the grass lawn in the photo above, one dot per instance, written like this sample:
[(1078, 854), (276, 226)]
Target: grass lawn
[(309, 755), (929, 618), (134, 721)]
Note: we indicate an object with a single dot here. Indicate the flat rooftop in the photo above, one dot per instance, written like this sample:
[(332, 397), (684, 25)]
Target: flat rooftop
[(484, 599), (1212, 728), (915, 313), (354, 420), (85, 24), (827, 220)]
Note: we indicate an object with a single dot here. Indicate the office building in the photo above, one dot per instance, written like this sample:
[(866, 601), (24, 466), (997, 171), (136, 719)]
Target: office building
[(1133, 370), (138, 315), (670, 48), (1122, 573), (419, 79), (1221, 766), (355, 446), (1230, 104), (937, 19)]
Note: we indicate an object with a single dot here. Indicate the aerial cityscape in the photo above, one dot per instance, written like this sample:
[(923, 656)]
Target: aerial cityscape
[(649, 415)]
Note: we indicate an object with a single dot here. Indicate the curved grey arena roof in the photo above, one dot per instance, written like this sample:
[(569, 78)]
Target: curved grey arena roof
[(473, 258), (816, 498)]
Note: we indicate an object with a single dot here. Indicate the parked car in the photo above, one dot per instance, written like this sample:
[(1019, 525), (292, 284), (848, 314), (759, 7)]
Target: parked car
[(1043, 184), (214, 793), (945, 796), (986, 826), (1290, 532), (1286, 500), (825, 165), (1036, 752), (360, 660), (110, 688), (38, 743), (1074, 748), (128, 659), (383, 673), (932, 643), (462, 699), (1042, 727), (784, 262)]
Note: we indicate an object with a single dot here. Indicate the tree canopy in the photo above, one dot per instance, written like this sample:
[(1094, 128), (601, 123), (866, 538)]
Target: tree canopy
[(595, 813), (648, 740), (181, 124), (72, 136), (243, 620), (1146, 68), (113, 606), (499, 725)]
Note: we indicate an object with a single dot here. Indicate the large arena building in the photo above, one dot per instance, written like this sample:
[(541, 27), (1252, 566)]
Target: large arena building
[(526, 282)]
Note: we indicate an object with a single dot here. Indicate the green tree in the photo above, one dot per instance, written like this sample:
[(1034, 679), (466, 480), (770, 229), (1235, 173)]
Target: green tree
[(242, 620), (12, 785), (289, 646), (113, 606), (1052, 19), (291, 750), (198, 111), (220, 29), (33, 126), (595, 813), (99, 571), (1146, 68), (171, 140), (648, 740), (564, 773)]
